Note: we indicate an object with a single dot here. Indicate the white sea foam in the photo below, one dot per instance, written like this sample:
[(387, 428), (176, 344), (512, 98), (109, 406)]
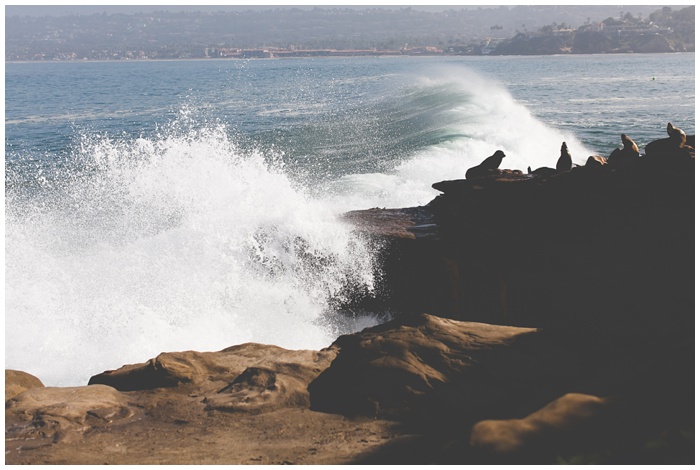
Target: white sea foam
[(172, 243)]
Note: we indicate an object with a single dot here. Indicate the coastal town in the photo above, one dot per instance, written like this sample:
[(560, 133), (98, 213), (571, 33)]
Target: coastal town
[(331, 33)]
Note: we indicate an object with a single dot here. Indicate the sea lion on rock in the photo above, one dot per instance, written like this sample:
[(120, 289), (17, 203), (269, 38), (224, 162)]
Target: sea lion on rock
[(564, 163), (625, 156), (674, 146), (676, 135), (629, 146), (485, 167), (596, 161)]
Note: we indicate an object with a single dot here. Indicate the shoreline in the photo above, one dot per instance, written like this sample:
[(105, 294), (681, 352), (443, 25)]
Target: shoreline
[(379, 56)]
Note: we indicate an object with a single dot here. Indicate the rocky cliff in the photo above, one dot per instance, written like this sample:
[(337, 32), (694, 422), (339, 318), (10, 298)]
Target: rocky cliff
[(538, 318)]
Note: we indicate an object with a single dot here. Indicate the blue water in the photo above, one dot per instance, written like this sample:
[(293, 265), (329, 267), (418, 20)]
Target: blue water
[(160, 206)]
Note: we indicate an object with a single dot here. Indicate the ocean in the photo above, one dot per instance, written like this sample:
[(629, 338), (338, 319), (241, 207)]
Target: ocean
[(194, 205)]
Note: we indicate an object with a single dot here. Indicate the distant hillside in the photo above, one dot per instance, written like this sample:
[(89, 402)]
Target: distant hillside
[(191, 34), (664, 30)]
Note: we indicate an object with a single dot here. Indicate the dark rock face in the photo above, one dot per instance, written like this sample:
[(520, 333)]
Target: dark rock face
[(504, 394), (652, 44), (591, 42), (595, 248)]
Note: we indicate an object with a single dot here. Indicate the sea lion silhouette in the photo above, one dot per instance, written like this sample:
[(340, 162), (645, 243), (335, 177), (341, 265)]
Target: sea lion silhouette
[(677, 144), (564, 163), (490, 163), (626, 155), (629, 146), (494, 161)]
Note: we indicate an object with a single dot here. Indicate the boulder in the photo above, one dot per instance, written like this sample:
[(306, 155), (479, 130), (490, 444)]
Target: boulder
[(565, 421), (52, 411), (17, 382), (435, 370), (251, 376)]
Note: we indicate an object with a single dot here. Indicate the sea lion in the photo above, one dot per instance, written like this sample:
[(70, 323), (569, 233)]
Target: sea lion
[(629, 146), (494, 161), (483, 168), (676, 145), (626, 155), (595, 161), (676, 135), (564, 163)]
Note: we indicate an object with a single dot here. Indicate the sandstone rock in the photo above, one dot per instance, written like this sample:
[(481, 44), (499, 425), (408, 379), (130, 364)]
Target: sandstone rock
[(569, 418), (261, 389), (51, 411), (433, 369), (251, 377), (17, 382)]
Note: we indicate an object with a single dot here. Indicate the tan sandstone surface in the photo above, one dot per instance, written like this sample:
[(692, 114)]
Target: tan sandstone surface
[(418, 390)]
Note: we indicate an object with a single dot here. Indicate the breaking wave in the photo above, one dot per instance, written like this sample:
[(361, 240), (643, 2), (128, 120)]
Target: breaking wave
[(181, 241)]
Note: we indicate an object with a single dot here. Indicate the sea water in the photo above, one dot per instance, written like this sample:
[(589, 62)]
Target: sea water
[(177, 205)]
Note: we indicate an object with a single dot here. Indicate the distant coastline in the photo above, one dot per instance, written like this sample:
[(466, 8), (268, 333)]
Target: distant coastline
[(293, 33), (330, 55)]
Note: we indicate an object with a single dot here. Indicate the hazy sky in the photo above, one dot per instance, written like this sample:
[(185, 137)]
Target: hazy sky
[(60, 10)]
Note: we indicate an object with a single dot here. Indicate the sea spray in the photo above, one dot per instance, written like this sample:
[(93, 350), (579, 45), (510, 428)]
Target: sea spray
[(450, 118), (180, 241)]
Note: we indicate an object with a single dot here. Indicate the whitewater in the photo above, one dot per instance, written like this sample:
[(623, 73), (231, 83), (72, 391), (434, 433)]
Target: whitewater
[(197, 205)]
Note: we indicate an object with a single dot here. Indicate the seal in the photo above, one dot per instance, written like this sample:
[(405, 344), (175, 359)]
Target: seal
[(629, 146), (676, 135), (596, 161), (626, 155), (494, 161), (564, 163), (675, 146), (483, 168)]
